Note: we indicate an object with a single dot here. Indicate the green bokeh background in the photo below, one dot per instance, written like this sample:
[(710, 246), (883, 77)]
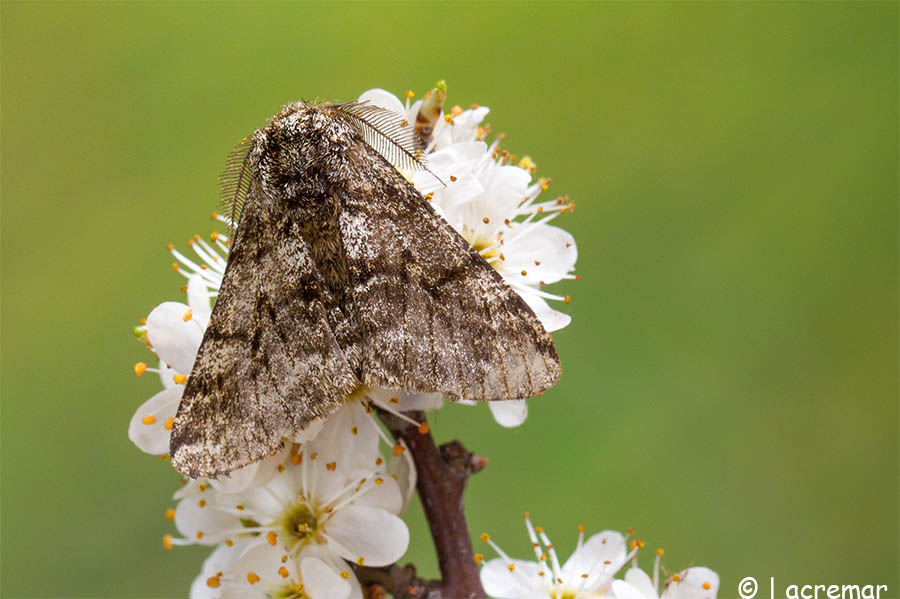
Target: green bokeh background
[(730, 380)]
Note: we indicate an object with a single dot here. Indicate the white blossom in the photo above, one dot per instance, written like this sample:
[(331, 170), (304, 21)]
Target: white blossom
[(697, 582), (587, 573)]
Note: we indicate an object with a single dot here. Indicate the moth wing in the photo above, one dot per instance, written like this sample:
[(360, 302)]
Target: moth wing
[(434, 316), (268, 364)]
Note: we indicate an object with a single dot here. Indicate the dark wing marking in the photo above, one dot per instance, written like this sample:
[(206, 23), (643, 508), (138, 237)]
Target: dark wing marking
[(234, 182), (269, 364), (433, 315)]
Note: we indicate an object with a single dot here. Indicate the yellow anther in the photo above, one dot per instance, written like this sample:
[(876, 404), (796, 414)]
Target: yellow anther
[(188, 315), (676, 578), (360, 560), (526, 515), (140, 368), (394, 400), (543, 187), (314, 455), (379, 461), (170, 514), (272, 538), (199, 534), (567, 299), (354, 430), (213, 236), (537, 262), (174, 266), (202, 487), (179, 379), (148, 420), (252, 578), (585, 575), (379, 480), (167, 541), (169, 423), (659, 551), (456, 110), (524, 272), (213, 216), (479, 557), (448, 118), (452, 178), (297, 459), (485, 220), (201, 503), (229, 542), (410, 94), (398, 450), (404, 123), (283, 572), (169, 247), (485, 537), (213, 582), (581, 528), (239, 507), (423, 428), (538, 529), (631, 530), (429, 196), (510, 567), (344, 574), (281, 467), (331, 466)]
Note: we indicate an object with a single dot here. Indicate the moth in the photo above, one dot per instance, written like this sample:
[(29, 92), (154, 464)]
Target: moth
[(341, 274)]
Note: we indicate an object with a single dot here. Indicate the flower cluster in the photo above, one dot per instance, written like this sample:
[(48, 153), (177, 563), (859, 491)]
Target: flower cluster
[(589, 572), (291, 525)]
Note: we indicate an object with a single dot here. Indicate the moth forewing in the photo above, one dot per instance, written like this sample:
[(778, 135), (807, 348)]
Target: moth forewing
[(342, 274)]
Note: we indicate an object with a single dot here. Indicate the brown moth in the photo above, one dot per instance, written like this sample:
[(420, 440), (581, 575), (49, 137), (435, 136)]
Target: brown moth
[(341, 274)]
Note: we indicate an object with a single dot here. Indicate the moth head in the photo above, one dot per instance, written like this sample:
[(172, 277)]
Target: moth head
[(302, 147)]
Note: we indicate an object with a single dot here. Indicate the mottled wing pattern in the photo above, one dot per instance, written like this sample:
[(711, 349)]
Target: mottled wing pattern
[(434, 316), (268, 364)]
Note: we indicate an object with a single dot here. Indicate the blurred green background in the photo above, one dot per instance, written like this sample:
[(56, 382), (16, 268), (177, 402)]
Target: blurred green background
[(730, 380)]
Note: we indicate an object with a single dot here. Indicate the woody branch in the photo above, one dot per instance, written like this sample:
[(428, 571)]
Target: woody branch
[(442, 474)]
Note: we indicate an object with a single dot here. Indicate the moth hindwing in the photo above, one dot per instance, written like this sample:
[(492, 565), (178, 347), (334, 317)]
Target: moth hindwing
[(341, 274)]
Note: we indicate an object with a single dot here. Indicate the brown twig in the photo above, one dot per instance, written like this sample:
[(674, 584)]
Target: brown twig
[(442, 476)]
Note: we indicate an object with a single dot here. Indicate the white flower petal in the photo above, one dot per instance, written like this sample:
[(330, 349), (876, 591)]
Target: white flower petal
[(404, 469), (147, 428), (509, 413), (236, 481), (384, 99), (375, 535), (385, 495), (640, 582), (552, 320), (625, 590), (607, 546), (198, 299), (220, 560), (264, 562), (691, 585), (544, 252), (320, 581), (174, 339), (206, 525), (523, 583), (349, 439)]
